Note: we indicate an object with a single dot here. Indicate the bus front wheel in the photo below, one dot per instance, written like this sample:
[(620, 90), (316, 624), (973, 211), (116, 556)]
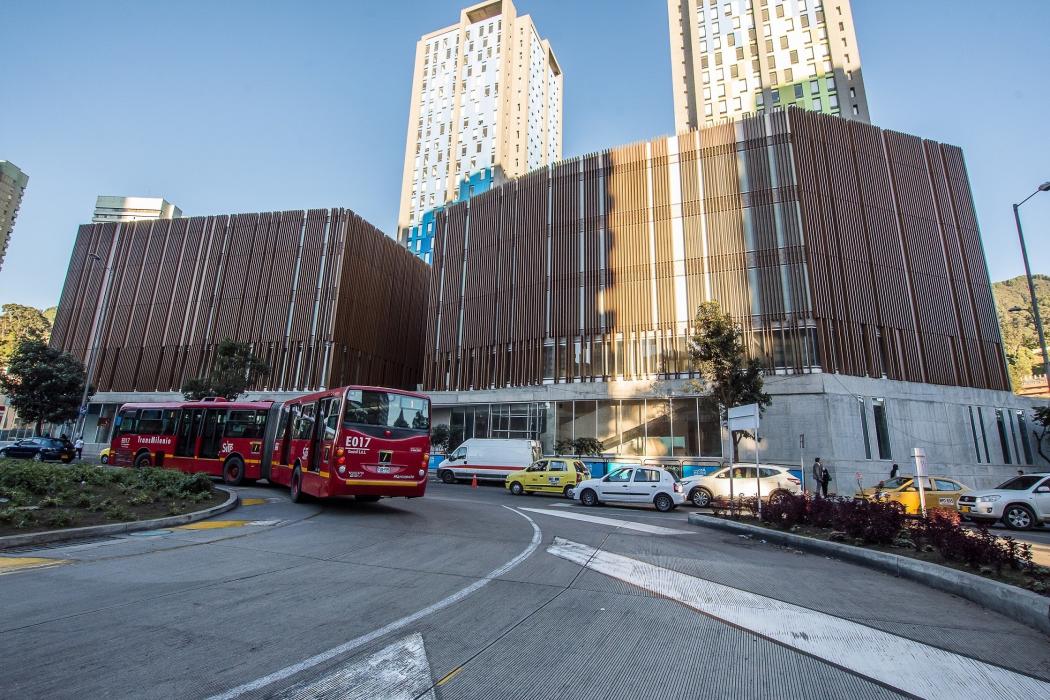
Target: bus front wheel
[(295, 486), (233, 471)]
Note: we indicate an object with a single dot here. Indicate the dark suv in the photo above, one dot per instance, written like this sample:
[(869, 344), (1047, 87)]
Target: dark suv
[(40, 449)]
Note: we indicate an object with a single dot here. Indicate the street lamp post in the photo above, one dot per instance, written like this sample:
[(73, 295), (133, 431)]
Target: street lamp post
[(1045, 187), (100, 318)]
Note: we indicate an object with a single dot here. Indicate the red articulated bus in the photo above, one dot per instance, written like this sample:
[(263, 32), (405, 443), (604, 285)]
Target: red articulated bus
[(214, 436), (359, 441)]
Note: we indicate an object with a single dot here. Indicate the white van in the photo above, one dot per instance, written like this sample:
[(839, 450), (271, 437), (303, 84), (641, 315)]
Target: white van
[(488, 458)]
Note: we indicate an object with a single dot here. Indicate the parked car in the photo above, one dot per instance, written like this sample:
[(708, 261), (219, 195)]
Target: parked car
[(40, 449), (549, 475), (640, 485), (1021, 503), (488, 458), (940, 492), (776, 481), (103, 456)]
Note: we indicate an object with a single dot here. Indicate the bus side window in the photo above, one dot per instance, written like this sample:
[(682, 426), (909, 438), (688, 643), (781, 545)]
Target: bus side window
[(127, 420)]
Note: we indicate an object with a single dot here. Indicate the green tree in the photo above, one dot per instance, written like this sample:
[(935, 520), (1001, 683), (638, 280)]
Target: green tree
[(726, 372), (18, 323), (235, 369), (439, 436), (1020, 340), (587, 446), (563, 447), (43, 384)]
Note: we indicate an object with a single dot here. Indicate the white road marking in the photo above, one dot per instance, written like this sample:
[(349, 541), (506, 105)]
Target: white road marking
[(392, 627), (898, 662), (625, 524), (396, 672)]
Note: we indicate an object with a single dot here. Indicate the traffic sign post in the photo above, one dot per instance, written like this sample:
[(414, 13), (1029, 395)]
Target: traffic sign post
[(802, 459), (746, 418)]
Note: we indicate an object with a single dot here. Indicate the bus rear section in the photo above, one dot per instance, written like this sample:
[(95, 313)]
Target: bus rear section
[(217, 437), (366, 442)]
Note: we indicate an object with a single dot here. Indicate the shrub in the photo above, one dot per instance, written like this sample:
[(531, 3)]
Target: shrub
[(786, 511)]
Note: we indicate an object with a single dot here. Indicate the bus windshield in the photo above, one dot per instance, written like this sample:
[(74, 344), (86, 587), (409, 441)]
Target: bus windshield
[(381, 408)]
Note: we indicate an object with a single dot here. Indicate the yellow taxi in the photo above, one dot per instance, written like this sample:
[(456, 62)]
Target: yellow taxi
[(549, 475), (103, 456), (941, 492)]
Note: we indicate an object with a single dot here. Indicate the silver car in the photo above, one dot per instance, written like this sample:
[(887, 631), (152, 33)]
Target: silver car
[(701, 490), (1021, 503)]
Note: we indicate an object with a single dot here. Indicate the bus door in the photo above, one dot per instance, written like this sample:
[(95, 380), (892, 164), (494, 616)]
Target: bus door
[(189, 428), (327, 428), (211, 433)]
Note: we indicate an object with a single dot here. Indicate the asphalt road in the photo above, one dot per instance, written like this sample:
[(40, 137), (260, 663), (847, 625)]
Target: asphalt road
[(477, 594)]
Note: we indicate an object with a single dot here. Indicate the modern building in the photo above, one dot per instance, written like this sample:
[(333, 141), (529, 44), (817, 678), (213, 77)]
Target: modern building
[(112, 209), (322, 296), (738, 57), (486, 106), (12, 186), (561, 303)]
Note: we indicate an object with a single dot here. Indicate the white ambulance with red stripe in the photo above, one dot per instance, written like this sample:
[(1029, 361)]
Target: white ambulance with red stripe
[(488, 458)]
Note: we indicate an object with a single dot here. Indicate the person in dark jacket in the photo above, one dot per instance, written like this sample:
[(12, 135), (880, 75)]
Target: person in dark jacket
[(825, 478), (893, 471), (815, 471)]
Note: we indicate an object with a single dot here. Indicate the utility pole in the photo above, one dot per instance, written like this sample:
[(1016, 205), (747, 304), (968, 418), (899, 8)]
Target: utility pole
[(1045, 187)]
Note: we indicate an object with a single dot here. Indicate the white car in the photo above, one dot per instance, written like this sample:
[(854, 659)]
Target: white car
[(1021, 503), (701, 490), (633, 485)]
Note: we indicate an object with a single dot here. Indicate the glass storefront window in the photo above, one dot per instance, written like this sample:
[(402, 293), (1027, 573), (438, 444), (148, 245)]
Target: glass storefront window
[(710, 428), (657, 428), (607, 429), (564, 431), (684, 427), (584, 417), (632, 429)]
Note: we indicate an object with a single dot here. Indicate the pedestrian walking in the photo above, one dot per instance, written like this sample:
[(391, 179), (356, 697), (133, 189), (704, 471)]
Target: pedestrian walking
[(893, 471), (825, 477), (816, 471), (79, 446)]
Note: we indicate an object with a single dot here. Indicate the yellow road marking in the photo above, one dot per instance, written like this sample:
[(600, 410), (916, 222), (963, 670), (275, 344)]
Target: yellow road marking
[(213, 524), (449, 676), (252, 501), (9, 565)]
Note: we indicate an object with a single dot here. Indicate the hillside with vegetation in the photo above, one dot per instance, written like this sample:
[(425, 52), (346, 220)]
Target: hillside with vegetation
[(1020, 340)]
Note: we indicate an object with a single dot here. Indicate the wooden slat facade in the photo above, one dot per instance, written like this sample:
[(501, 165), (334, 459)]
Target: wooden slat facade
[(838, 247), (323, 296)]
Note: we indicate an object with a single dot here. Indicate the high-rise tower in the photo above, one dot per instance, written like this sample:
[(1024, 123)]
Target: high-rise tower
[(12, 186), (730, 58), (486, 106)]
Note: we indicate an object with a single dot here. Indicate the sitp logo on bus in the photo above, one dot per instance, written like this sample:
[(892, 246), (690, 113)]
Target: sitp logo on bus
[(227, 447)]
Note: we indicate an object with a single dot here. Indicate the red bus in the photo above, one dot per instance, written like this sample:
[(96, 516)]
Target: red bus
[(359, 441), (215, 436)]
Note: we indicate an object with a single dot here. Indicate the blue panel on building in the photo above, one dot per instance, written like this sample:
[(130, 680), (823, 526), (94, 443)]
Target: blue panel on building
[(421, 236)]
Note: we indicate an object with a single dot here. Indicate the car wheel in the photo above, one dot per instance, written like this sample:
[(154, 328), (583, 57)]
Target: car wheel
[(104, 459), (777, 495), (589, 498), (38, 457), (701, 498), (567, 492), (295, 486), (233, 471), (516, 488), (1019, 518), (142, 460), (448, 476), (663, 502)]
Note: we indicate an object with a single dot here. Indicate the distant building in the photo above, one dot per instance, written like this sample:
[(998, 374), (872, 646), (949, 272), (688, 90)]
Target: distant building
[(109, 208), (731, 59), (486, 106), (12, 186)]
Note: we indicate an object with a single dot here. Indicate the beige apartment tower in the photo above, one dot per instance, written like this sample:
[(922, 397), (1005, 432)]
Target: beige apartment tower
[(486, 106), (738, 57), (115, 209), (12, 186)]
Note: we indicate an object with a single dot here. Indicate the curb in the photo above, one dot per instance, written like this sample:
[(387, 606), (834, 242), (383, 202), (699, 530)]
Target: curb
[(75, 533), (1026, 607)]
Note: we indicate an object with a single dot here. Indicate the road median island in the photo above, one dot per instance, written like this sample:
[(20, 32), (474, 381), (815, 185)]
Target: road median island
[(41, 503), (1024, 606)]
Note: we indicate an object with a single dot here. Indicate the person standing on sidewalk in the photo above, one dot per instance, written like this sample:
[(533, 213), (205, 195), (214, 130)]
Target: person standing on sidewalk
[(816, 472), (825, 478), (893, 471), (79, 446)]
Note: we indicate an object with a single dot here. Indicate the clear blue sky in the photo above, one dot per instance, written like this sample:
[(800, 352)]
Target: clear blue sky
[(257, 106)]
